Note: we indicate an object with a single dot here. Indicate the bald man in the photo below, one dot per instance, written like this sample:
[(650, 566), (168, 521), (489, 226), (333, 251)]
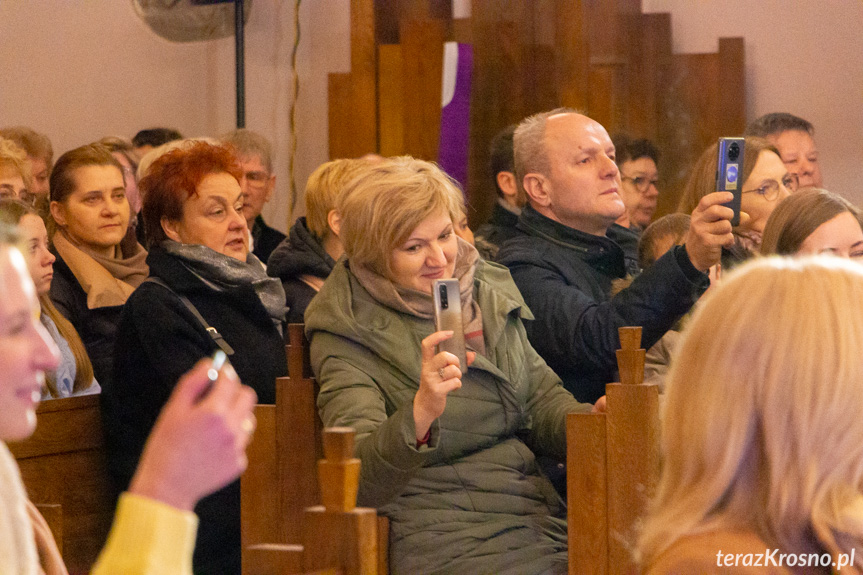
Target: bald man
[(564, 262)]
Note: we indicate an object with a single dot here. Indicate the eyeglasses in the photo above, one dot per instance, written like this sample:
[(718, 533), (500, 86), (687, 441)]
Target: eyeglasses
[(641, 183), (769, 190), (257, 179)]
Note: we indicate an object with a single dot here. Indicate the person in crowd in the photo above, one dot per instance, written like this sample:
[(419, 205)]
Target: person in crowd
[(564, 263), (447, 450), (659, 237), (40, 153), (794, 137), (257, 183), (305, 259), (15, 176), (637, 160), (124, 153), (147, 139), (766, 182), (207, 292), (510, 197), (95, 271), (196, 446), (74, 373), (776, 463), (812, 222)]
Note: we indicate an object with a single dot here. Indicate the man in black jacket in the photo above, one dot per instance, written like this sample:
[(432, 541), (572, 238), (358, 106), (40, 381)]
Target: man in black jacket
[(563, 261), (510, 198)]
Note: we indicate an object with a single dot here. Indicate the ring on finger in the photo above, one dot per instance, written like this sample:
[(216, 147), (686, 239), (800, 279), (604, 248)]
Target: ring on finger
[(441, 373)]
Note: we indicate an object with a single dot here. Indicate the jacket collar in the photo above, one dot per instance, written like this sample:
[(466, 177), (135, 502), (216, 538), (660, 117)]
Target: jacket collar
[(600, 252), (345, 308)]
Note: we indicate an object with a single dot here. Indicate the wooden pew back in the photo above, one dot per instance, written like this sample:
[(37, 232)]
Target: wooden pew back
[(64, 464), (612, 468), (280, 488)]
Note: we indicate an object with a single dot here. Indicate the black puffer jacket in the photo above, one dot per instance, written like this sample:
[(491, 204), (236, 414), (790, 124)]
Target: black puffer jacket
[(158, 340), (565, 277), (300, 254)]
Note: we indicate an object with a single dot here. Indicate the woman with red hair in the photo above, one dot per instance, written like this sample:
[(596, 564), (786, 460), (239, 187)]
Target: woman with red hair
[(206, 292)]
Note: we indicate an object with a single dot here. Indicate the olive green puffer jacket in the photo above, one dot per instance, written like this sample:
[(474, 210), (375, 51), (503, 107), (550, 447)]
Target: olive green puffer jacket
[(472, 500)]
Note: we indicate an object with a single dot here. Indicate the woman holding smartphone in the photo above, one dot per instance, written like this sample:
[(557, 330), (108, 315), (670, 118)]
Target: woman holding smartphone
[(208, 293), (447, 456), (765, 182)]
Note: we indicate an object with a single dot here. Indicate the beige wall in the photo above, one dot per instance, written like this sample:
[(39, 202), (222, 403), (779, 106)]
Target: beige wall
[(84, 69), (801, 57), (81, 70)]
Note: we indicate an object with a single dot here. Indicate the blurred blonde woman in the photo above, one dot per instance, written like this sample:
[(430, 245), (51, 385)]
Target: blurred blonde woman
[(762, 429)]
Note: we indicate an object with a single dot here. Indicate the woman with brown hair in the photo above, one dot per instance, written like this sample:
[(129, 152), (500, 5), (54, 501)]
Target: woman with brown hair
[(766, 182), (94, 272), (811, 222), (74, 374)]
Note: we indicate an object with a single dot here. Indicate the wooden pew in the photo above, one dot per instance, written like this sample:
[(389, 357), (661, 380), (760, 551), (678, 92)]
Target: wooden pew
[(612, 467), (283, 531), (64, 468)]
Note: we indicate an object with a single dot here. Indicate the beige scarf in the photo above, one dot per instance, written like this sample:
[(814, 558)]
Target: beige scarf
[(106, 281), (421, 304)]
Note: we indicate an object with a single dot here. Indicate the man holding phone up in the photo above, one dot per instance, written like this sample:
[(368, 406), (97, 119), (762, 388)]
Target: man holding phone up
[(563, 262)]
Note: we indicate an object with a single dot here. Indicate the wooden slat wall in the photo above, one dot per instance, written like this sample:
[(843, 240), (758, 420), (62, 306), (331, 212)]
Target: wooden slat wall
[(602, 57)]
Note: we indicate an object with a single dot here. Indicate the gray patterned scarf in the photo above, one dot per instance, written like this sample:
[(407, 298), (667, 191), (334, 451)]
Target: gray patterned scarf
[(221, 272)]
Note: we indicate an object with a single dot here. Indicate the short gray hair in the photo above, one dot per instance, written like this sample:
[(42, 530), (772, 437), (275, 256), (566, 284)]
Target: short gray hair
[(248, 143), (529, 145)]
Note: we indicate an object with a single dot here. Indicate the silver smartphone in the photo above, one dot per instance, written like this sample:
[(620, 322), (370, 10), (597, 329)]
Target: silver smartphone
[(729, 170), (447, 316)]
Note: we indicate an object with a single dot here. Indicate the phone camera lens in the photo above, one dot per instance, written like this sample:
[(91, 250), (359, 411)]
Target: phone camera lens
[(733, 151), (444, 303)]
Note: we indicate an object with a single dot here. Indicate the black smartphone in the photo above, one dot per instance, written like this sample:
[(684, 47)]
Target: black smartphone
[(447, 316), (729, 170)]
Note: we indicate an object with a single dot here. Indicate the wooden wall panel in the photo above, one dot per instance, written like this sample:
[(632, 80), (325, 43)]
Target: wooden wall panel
[(364, 77), (572, 65), (340, 116), (732, 87), (390, 100), (422, 62)]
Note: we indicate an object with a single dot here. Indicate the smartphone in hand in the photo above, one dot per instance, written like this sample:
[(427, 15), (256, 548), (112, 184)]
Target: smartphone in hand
[(729, 170), (219, 360), (447, 316)]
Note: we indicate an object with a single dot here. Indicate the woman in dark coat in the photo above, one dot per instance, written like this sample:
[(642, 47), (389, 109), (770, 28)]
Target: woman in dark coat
[(95, 271), (199, 251)]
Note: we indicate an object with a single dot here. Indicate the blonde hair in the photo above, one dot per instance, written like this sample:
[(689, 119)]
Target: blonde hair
[(322, 191), (11, 213), (14, 157), (798, 216), (702, 178), (382, 206), (762, 427)]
